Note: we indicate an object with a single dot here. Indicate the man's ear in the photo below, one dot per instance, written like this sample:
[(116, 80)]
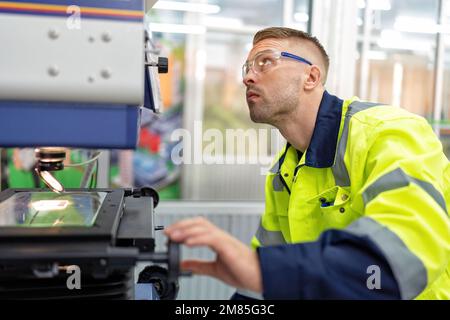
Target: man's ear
[(314, 78)]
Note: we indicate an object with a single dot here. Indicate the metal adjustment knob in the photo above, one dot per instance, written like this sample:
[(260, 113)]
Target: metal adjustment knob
[(163, 65)]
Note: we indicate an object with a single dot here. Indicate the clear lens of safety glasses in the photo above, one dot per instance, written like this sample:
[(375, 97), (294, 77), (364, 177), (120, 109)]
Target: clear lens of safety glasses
[(262, 62)]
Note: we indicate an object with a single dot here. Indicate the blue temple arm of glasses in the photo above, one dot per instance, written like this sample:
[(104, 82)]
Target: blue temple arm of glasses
[(293, 56)]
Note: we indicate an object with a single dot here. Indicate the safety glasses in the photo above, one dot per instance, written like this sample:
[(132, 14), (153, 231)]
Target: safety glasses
[(267, 59)]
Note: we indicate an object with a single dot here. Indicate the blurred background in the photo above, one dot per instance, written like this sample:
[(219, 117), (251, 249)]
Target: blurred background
[(390, 51)]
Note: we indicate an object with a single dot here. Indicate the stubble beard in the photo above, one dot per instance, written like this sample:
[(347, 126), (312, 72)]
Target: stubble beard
[(271, 112)]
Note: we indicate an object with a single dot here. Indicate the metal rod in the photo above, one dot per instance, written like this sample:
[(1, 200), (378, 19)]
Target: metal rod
[(157, 257), (438, 72), (103, 167), (364, 60), (310, 14), (288, 12), (88, 174)]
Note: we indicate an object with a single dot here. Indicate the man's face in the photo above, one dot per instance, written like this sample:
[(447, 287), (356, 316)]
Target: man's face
[(275, 93)]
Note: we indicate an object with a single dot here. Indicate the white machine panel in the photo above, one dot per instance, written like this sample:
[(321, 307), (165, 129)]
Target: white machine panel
[(43, 58)]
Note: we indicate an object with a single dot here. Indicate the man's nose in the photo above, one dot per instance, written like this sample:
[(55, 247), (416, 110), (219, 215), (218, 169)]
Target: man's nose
[(250, 77)]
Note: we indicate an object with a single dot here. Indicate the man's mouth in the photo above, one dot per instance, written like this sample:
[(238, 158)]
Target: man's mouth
[(252, 95)]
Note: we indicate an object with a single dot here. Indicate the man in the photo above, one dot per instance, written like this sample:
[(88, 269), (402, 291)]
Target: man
[(356, 203)]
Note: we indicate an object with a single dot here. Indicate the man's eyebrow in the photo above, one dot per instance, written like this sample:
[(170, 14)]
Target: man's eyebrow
[(266, 50)]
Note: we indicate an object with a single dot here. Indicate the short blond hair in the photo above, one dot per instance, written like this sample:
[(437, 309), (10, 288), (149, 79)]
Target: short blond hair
[(285, 33)]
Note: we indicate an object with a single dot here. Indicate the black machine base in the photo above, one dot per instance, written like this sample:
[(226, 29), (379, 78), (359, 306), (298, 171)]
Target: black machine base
[(35, 260)]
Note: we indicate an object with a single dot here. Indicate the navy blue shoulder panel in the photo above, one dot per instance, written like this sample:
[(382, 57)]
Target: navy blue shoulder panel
[(322, 148)]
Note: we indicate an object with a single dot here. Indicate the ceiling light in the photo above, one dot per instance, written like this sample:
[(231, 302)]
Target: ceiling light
[(187, 6), (213, 21), (391, 39), (301, 17), (415, 24), (376, 55), (382, 5), (177, 28), (359, 21)]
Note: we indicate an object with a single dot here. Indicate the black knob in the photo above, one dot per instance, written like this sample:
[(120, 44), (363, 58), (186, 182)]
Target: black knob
[(163, 65)]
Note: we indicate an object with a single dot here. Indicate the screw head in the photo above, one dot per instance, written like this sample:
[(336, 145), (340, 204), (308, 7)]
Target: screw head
[(53, 71), (105, 73), (53, 34), (106, 37)]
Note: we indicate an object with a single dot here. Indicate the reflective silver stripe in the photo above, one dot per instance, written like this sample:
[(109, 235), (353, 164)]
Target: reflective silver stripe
[(340, 172), (398, 179), (269, 238), (250, 294), (407, 268), (277, 184), (276, 167)]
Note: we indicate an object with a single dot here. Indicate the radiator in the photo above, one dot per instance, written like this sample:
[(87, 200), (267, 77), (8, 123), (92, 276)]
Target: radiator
[(224, 181)]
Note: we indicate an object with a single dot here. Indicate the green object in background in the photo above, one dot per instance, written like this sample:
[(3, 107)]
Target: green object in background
[(70, 177), (170, 192), (18, 178)]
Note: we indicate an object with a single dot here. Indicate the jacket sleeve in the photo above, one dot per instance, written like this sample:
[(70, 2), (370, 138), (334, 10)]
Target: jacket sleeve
[(403, 234), (406, 180)]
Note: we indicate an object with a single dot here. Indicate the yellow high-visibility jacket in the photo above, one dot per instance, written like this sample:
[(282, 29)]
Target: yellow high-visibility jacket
[(371, 193)]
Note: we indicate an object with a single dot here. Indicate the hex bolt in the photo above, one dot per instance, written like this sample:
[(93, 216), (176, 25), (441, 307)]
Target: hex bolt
[(53, 34), (53, 71), (105, 73), (106, 37)]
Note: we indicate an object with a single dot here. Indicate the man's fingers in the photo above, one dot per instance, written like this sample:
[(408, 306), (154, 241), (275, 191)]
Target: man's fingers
[(199, 267), (193, 231), (183, 224), (204, 239), (199, 237), (208, 268), (235, 263), (200, 232)]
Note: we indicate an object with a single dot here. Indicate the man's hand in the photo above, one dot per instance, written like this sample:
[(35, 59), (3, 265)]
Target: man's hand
[(235, 264)]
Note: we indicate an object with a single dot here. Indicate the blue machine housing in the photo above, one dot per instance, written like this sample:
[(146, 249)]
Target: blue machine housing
[(31, 124)]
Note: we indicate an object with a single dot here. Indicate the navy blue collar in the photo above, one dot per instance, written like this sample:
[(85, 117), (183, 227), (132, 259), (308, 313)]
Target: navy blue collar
[(322, 148)]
